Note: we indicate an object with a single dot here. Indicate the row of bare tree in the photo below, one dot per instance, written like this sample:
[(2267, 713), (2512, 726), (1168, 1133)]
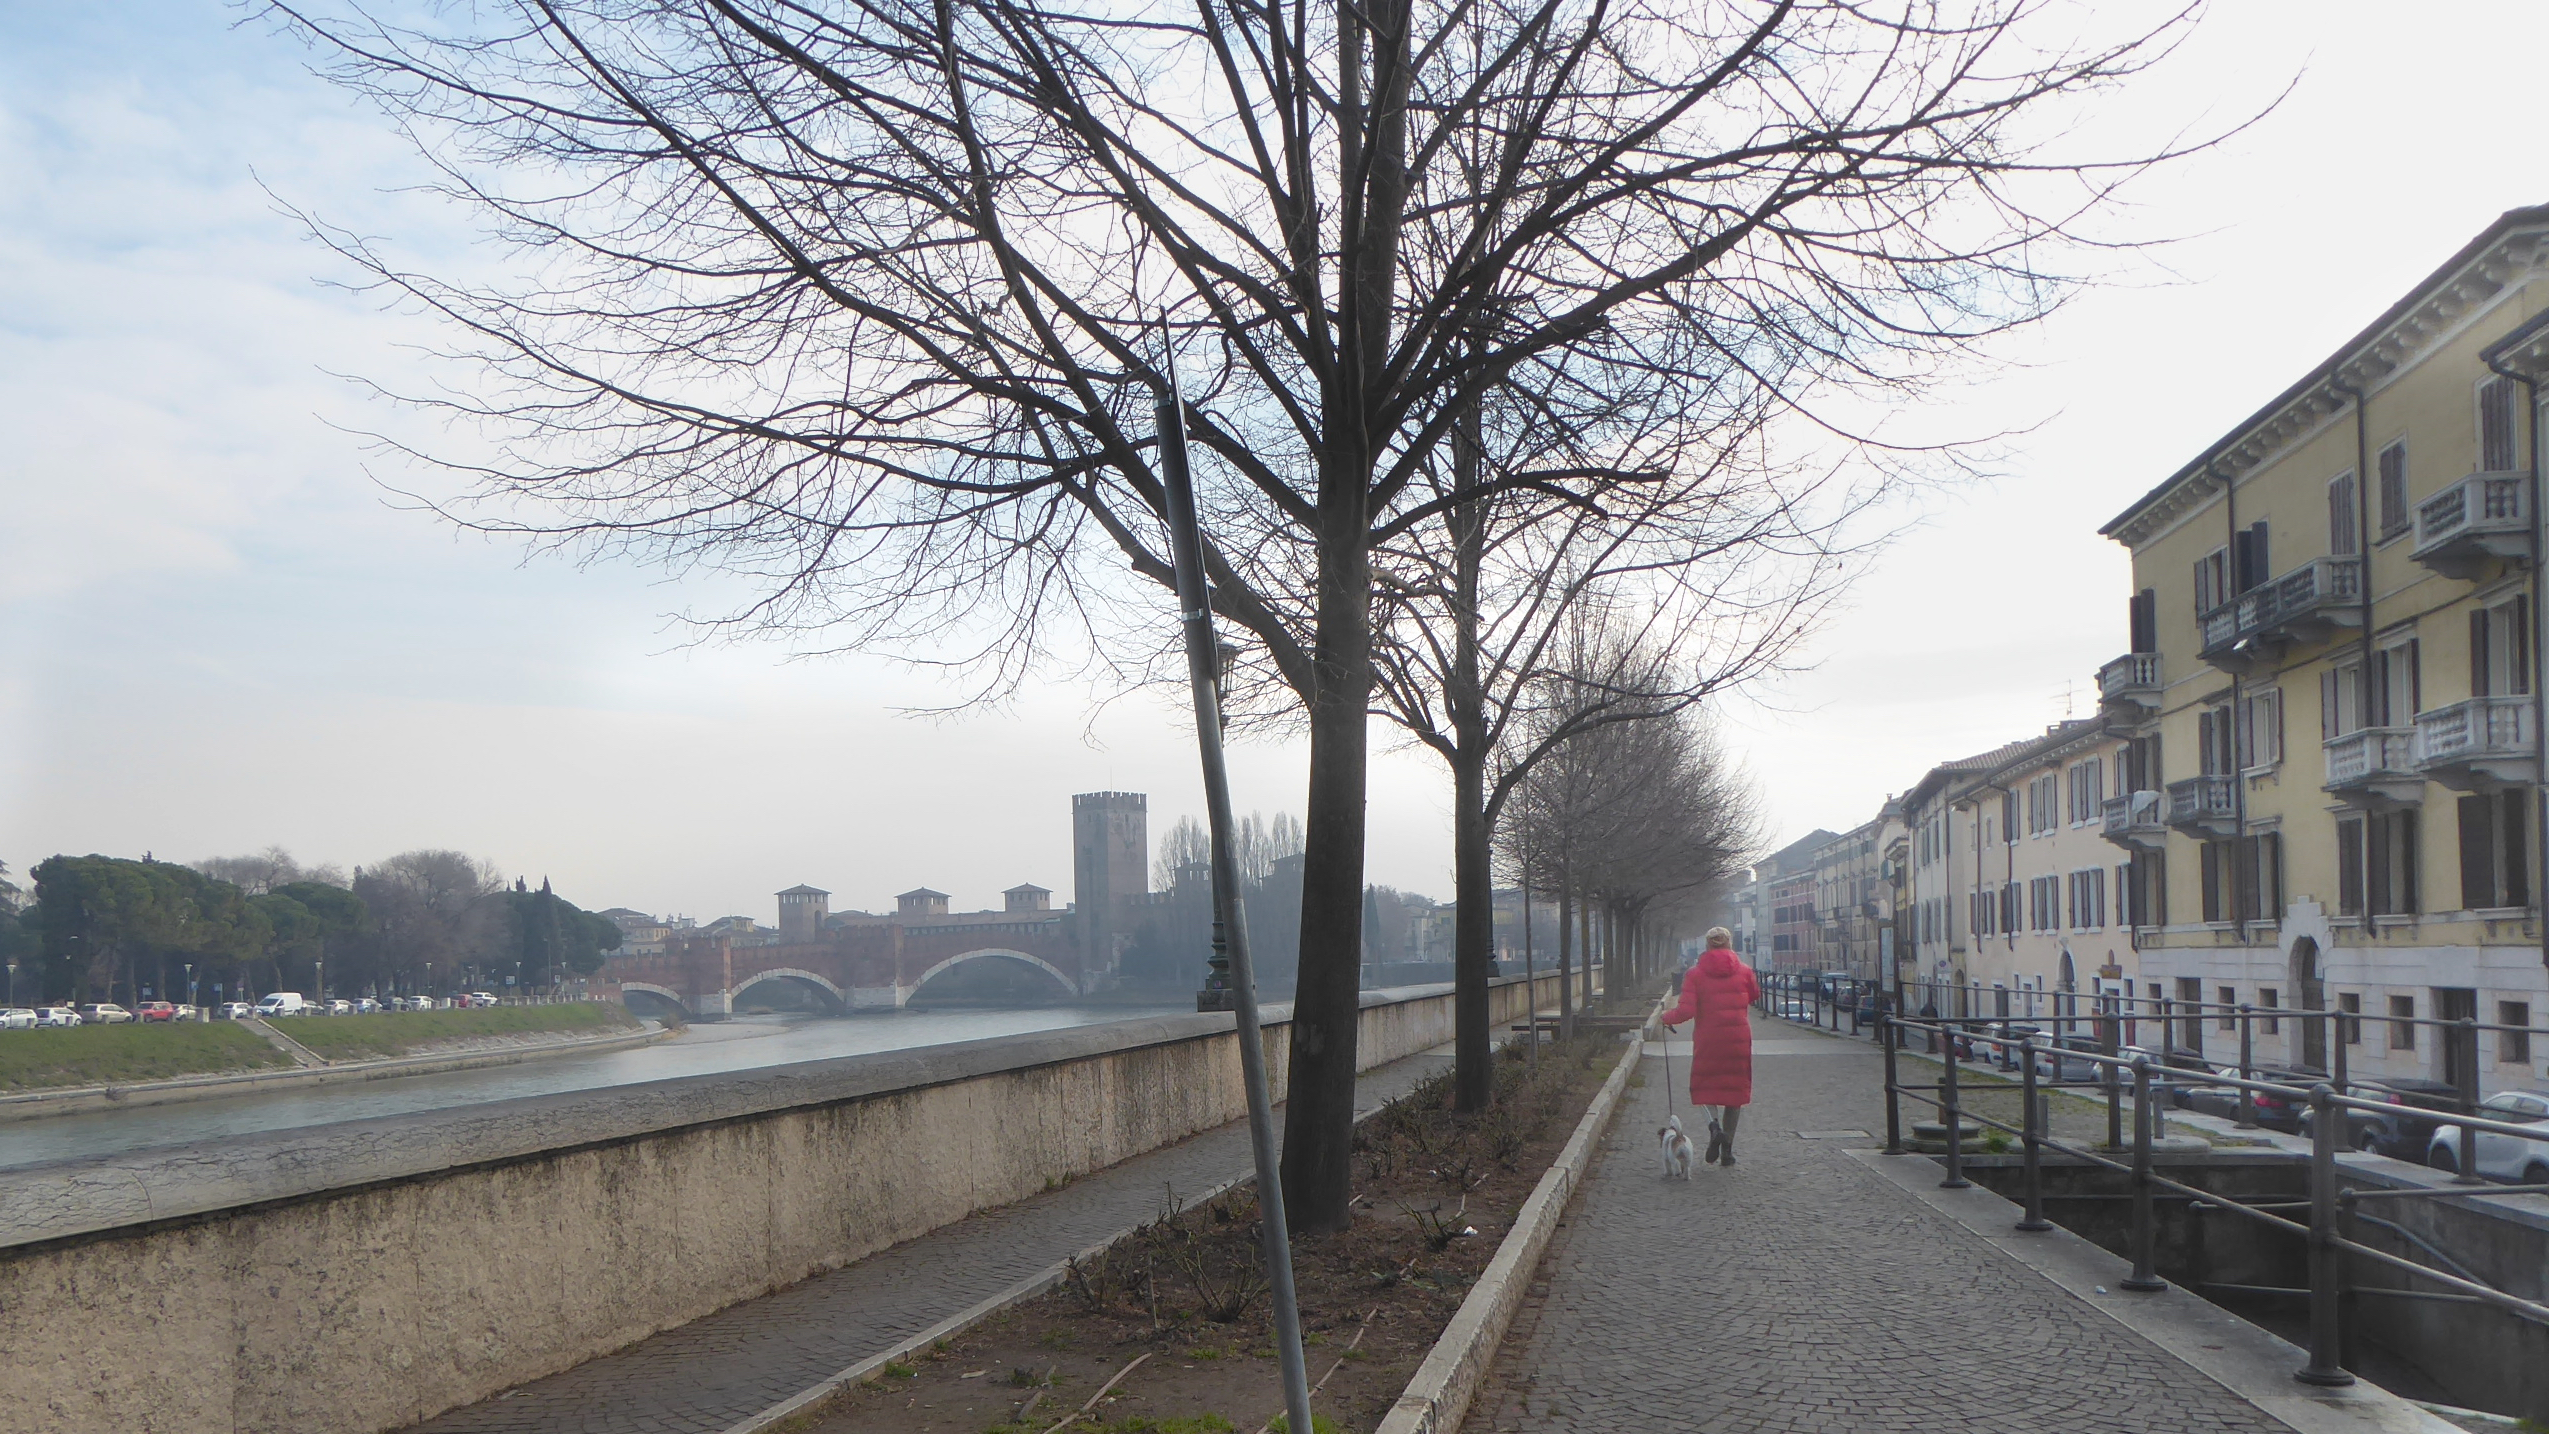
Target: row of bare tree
[(1487, 313)]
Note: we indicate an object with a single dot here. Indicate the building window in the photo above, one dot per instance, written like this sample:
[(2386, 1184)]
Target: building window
[(2350, 867), (2341, 701), (2389, 863), (2396, 692), (2402, 1023), (2350, 1017), (2513, 1048), (2500, 649), (2229, 1003), (2392, 465), (2212, 580), (2261, 729), (2343, 539), (2088, 783), (2268, 1001), (2495, 870), (2496, 426), (2243, 878), (2150, 888), (2088, 899), (2009, 817)]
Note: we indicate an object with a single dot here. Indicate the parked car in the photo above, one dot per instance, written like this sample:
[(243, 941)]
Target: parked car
[(482, 998), (282, 1003), (234, 1011), (2060, 1058), (340, 1007), (155, 1011), (57, 1017), (104, 1013), (1794, 1008), (186, 1012), (2404, 1129), (366, 1006), (2274, 1110), (17, 1018), (2501, 1156)]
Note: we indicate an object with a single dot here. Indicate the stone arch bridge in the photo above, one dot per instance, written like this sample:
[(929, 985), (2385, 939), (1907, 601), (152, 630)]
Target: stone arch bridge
[(854, 968)]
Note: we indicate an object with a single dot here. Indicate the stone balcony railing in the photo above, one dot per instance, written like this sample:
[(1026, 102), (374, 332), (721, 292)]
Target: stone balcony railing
[(2204, 806), (2482, 516), (2480, 744), (2130, 682), (2374, 767), (2303, 605), (2135, 819)]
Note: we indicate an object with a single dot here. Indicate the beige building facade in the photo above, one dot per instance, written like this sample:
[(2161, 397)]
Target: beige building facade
[(2327, 785), (2016, 895)]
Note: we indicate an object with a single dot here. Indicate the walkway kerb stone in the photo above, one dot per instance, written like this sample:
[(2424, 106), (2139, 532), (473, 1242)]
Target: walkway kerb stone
[(1439, 1394)]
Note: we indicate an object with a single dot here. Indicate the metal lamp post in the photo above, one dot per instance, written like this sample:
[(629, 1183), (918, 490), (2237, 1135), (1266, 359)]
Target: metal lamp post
[(1194, 603)]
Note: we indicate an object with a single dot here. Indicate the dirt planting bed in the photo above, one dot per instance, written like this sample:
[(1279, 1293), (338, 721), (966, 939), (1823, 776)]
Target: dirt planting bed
[(1176, 1315)]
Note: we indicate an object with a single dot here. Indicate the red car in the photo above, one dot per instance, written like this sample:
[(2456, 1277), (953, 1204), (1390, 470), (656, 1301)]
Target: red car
[(155, 1011)]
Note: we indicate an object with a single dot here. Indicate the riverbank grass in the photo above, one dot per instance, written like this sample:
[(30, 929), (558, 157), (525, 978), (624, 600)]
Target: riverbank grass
[(129, 1054), (400, 1033)]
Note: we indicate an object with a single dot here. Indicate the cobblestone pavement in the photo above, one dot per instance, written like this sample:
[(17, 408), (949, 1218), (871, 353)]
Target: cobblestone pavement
[(712, 1373), (1801, 1292)]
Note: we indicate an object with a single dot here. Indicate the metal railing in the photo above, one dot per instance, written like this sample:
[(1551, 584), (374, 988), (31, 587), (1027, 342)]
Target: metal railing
[(2103, 1032), (2331, 1207)]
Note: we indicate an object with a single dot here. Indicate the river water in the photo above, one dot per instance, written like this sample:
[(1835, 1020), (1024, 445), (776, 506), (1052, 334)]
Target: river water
[(744, 1043)]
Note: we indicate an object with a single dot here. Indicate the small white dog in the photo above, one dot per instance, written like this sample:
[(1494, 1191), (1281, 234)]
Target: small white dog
[(1675, 1148)]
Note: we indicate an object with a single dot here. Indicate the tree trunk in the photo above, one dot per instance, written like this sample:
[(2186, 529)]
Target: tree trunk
[(1473, 880), (1566, 976), (1318, 1121)]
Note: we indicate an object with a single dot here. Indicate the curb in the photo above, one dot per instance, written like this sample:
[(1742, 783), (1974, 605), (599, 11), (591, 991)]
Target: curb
[(1438, 1395), (81, 1100)]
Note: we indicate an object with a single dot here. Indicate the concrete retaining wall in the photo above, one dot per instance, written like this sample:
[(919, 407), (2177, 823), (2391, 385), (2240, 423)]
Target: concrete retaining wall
[(364, 1276)]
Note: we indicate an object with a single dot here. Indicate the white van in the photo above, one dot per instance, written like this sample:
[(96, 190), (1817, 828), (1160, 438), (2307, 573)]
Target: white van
[(283, 1003)]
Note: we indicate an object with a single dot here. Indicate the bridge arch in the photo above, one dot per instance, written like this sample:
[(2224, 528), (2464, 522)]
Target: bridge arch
[(654, 994), (1069, 987), (829, 996)]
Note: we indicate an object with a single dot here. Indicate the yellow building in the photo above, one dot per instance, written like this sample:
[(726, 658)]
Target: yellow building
[(2016, 900), (2331, 778)]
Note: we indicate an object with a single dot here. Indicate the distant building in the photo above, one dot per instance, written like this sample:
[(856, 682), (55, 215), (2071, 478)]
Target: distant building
[(801, 912), (920, 901), (1111, 871), (1786, 878), (1026, 898)]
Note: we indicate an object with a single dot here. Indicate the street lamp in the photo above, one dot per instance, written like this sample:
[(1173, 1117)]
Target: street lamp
[(189, 968)]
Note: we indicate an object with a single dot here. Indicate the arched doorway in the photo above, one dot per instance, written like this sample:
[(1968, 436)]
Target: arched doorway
[(2310, 994)]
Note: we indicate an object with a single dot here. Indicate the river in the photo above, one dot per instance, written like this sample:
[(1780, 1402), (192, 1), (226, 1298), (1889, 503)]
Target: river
[(745, 1043)]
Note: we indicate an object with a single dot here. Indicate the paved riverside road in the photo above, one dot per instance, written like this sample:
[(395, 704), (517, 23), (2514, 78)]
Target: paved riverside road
[(711, 1374), (1801, 1291)]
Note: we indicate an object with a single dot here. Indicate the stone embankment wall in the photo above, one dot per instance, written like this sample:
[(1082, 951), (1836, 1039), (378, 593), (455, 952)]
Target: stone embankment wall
[(364, 1276)]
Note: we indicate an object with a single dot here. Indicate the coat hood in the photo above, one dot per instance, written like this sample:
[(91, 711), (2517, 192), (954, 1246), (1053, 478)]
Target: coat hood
[(1718, 961)]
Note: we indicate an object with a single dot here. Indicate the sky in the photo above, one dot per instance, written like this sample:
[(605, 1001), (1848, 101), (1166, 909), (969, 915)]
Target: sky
[(221, 629)]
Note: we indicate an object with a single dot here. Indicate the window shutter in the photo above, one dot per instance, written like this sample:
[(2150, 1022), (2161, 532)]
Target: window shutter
[(2264, 567), (2514, 849), (2477, 853), (2478, 652), (2328, 729), (2518, 644), (2415, 679)]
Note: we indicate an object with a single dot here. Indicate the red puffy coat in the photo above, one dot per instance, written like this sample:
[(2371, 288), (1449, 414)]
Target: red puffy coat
[(1720, 991)]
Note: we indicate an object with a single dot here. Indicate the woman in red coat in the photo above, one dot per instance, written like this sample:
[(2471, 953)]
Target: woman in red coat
[(1719, 991)]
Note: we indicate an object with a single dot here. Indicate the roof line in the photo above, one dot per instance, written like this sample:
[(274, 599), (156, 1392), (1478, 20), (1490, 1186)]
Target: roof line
[(2510, 220)]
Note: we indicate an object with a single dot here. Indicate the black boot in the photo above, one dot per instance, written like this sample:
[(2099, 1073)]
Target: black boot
[(1716, 1142)]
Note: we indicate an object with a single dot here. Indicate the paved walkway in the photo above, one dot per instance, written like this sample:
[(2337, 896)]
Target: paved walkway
[(1801, 1291), (713, 1373)]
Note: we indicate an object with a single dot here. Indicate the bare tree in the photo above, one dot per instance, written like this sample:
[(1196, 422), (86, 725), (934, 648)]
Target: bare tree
[(863, 299), (430, 908), (264, 871)]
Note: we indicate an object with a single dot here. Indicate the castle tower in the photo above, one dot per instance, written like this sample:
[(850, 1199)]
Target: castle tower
[(1110, 870), (801, 912)]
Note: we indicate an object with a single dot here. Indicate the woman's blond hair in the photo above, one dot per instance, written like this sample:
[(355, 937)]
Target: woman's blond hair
[(1720, 939)]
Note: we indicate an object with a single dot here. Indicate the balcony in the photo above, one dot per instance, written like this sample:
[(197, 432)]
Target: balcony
[(2375, 768), (2134, 821), (2479, 745), (2130, 685), (2204, 806), (2483, 516), (2304, 605)]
